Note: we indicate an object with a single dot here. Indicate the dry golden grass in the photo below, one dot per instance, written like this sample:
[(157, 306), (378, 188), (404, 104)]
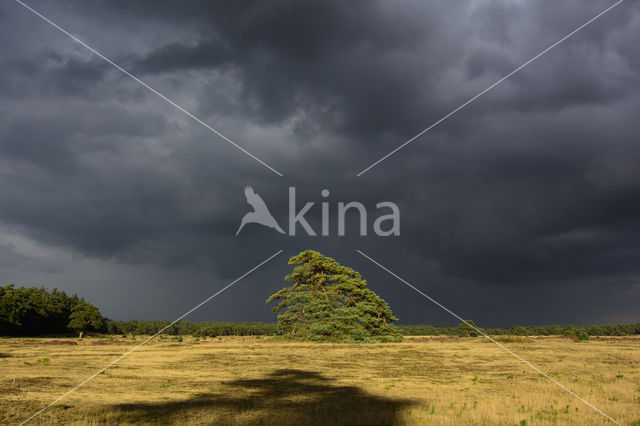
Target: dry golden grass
[(248, 380)]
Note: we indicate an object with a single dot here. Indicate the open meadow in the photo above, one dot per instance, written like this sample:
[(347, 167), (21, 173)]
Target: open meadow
[(265, 380)]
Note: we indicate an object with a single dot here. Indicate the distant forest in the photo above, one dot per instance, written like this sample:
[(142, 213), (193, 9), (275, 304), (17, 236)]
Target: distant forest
[(38, 312)]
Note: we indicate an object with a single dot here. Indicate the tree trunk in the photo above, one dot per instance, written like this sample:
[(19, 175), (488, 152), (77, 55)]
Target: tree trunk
[(80, 335)]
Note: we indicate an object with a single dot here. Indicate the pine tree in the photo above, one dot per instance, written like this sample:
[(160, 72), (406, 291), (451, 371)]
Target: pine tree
[(84, 317), (331, 302)]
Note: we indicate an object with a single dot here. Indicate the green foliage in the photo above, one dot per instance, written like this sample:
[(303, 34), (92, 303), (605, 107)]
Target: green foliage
[(467, 328), (32, 311), (205, 332), (37, 311), (541, 330), (519, 331), (84, 317), (582, 335), (331, 302), (195, 329)]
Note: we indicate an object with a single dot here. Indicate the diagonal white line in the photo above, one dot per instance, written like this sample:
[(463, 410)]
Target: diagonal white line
[(490, 87), (493, 340), (151, 337), (145, 85)]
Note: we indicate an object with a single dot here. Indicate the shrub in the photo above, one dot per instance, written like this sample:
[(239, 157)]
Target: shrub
[(466, 329), (582, 335), (519, 331)]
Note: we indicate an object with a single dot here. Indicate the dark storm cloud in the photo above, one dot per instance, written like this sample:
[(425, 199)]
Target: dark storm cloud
[(345, 64), (531, 189), (379, 67)]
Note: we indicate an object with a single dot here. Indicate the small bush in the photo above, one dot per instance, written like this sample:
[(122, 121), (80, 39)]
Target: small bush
[(519, 331), (178, 339), (582, 335)]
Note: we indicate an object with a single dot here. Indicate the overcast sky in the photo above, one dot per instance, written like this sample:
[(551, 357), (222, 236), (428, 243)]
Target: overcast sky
[(522, 208)]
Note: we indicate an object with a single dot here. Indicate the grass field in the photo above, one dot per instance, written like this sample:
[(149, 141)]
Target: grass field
[(249, 380)]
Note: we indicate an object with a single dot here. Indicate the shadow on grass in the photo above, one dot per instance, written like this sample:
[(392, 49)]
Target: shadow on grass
[(282, 397)]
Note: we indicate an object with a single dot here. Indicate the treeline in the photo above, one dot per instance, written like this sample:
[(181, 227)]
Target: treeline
[(212, 329), (36, 311), (196, 329), (32, 311), (542, 330)]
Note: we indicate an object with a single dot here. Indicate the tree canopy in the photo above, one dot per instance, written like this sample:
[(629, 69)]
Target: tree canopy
[(331, 302), (30, 311), (84, 317)]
